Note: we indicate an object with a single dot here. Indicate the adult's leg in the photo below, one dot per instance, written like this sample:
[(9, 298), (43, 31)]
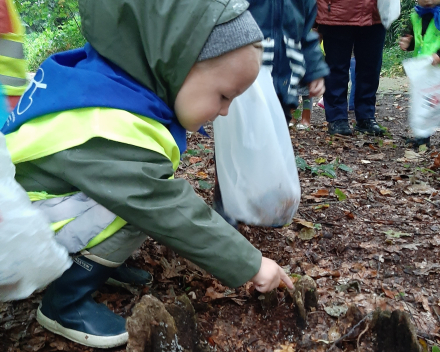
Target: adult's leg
[(353, 83), (338, 45), (368, 49)]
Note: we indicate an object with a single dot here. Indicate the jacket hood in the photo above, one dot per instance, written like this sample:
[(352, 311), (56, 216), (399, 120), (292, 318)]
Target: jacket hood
[(155, 41)]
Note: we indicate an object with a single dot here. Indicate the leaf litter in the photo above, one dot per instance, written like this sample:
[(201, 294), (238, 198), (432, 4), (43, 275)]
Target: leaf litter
[(365, 260)]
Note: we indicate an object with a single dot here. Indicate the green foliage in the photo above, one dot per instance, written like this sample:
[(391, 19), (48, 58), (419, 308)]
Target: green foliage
[(392, 61), (39, 46), (435, 349), (392, 54), (400, 26), (40, 15), (328, 170), (341, 195)]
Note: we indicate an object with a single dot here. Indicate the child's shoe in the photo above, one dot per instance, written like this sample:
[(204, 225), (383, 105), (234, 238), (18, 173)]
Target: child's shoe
[(68, 309)]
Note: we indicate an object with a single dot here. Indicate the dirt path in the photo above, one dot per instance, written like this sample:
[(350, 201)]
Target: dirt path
[(378, 248), (393, 85)]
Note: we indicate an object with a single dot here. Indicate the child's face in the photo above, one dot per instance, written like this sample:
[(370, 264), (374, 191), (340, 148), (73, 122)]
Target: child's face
[(211, 86), (429, 3)]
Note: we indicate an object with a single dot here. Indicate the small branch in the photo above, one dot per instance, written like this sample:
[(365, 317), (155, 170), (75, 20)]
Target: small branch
[(430, 201), (350, 332), (360, 335)]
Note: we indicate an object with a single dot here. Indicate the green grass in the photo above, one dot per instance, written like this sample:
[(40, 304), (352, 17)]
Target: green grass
[(392, 61)]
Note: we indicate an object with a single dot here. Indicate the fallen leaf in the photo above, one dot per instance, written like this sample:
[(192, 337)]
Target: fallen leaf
[(202, 175), (412, 155), (286, 348), (211, 294), (396, 234), (389, 293), (195, 159), (322, 206), (411, 246), (376, 156), (320, 161), (321, 193), (385, 192), (419, 189), (306, 233), (333, 333), (304, 223), (430, 267), (204, 185), (336, 311)]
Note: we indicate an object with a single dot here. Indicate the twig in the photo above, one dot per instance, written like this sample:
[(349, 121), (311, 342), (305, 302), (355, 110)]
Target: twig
[(350, 332), (360, 335), (430, 201)]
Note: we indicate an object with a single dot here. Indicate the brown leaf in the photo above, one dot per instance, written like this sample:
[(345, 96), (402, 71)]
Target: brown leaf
[(202, 175), (304, 223), (211, 294), (385, 192), (195, 159), (389, 293), (321, 193)]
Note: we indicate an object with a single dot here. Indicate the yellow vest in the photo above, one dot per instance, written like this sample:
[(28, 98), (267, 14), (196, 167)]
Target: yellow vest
[(59, 131), (12, 62)]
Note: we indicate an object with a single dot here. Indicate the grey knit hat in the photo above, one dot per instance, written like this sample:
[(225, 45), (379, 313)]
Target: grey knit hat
[(239, 32)]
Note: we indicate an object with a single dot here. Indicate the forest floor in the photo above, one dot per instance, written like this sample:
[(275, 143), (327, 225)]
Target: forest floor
[(377, 248)]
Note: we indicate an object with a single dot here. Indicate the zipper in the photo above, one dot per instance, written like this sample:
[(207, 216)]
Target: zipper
[(329, 6)]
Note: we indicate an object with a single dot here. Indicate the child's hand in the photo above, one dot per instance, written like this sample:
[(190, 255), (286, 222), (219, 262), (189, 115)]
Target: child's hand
[(435, 59), (316, 87), (405, 41), (269, 276)]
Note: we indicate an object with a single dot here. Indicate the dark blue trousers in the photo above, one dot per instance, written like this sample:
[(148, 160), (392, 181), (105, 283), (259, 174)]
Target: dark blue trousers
[(339, 42)]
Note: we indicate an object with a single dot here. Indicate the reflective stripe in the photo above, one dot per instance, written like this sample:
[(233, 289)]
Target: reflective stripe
[(11, 49), (12, 81), (90, 220)]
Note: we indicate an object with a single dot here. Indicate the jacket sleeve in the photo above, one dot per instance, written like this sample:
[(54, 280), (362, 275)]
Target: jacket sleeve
[(315, 64), (135, 184)]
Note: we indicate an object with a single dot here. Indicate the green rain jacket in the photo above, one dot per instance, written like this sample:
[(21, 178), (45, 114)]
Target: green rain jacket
[(157, 42)]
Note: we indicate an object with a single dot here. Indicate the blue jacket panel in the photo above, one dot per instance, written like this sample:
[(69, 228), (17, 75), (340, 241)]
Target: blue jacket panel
[(290, 47)]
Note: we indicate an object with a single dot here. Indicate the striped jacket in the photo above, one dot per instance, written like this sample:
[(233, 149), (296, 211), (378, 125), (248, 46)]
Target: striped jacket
[(290, 47)]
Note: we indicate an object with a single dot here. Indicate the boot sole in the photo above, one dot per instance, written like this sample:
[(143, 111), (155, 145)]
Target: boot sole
[(81, 337)]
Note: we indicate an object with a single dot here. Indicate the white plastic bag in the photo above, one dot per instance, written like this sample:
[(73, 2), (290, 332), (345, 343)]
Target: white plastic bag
[(424, 116), (30, 258), (389, 11), (254, 155)]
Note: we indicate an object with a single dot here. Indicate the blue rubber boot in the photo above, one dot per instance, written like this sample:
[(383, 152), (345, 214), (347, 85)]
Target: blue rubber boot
[(69, 310), (127, 275)]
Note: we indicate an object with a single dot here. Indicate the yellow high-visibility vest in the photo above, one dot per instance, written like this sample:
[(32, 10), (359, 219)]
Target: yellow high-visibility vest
[(12, 63)]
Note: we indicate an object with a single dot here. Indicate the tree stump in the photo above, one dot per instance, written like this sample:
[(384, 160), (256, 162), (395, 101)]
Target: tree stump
[(156, 327), (395, 332)]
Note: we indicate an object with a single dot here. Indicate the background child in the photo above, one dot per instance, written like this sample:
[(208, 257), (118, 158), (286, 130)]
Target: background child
[(291, 48), (12, 62), (422, 37), (113, 136)]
